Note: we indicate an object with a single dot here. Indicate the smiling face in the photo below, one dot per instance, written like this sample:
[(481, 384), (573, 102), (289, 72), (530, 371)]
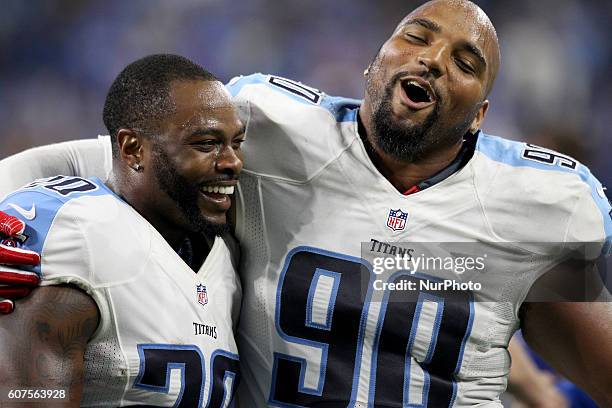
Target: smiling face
[(196, 157), (427, 85)]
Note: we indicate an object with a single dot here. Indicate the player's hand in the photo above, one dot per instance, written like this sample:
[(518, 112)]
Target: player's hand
[(15, 283)]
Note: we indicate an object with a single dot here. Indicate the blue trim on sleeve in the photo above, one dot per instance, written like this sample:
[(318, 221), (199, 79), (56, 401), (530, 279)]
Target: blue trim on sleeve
[(511, 153), (602, 202), (343, 109), (41, 197), (235, 85)]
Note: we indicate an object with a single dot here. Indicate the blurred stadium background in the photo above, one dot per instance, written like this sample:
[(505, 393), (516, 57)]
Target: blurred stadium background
[(58, 58)]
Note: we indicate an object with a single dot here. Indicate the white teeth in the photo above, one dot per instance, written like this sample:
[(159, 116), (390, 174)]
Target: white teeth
[(416, 84), (218, 189), (412, 82)]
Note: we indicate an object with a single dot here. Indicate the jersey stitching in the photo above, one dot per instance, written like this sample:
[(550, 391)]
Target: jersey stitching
[(479, 199), (571, 217), (315, 175), (37, 190), (113, 315), (365, 202), (247, 339), (264, 81), (244, 93), (517, 147)]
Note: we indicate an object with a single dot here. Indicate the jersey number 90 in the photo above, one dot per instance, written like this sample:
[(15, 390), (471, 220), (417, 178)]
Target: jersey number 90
[(323, 317)]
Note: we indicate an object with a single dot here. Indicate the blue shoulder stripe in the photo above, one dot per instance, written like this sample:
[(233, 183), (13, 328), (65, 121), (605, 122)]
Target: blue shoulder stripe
[(518, 154), (38, 203), (602, 202), (343, 109)]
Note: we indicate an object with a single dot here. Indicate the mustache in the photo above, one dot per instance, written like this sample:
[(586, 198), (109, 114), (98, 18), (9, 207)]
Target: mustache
[(222, 177)]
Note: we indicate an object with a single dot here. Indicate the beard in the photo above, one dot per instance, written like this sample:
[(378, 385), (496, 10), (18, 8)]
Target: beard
[(184, 194), (404, 143), (411, 143)]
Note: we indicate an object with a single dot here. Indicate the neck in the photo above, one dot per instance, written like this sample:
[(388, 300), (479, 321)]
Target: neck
[(139, 199), (401, 174)]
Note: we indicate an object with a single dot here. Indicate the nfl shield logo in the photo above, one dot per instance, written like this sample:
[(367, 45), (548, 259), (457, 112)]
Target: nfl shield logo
[(202, 295), (397, 219)]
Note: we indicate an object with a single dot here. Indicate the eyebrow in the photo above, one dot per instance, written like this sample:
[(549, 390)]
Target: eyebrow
[(203, 131), (476, 51), (433, 26), (424, 22)]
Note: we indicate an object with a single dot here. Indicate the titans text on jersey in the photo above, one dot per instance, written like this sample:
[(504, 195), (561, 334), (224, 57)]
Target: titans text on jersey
[(310, 199), (310, 195), (159, 342)]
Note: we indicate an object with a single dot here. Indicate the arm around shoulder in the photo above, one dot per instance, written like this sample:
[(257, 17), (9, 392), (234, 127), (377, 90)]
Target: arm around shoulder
[(43, 343), (84, 158)]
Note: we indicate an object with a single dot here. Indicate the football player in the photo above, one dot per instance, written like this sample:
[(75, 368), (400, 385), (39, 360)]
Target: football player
[(139, 290), (331, 181)]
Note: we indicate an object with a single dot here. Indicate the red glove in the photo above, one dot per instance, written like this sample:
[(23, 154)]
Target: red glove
[(14, 282)]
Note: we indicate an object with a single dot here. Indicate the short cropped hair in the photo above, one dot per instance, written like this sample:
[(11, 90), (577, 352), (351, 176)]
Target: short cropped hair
[(140, 95)]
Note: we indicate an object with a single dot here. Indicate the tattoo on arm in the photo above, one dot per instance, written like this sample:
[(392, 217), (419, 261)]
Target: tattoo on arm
[(43, 343)]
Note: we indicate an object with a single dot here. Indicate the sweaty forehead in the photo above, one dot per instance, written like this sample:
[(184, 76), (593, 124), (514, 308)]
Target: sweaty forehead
[(199, 95), (465, 21), (200, 101), (462, 18)]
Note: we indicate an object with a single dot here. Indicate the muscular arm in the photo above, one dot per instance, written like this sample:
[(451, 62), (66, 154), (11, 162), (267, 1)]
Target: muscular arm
[(42, 344), (576, 339), (83, 158)]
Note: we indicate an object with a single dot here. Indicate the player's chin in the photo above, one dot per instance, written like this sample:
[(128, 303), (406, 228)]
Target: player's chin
[(209, 223), (214, 203), (215, 220), (403, 116), (214, 212)]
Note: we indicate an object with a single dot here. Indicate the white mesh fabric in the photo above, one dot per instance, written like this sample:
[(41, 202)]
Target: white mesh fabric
[(105, 370)]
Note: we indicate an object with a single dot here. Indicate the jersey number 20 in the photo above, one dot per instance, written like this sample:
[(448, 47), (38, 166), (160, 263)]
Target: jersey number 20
[(157, 361)]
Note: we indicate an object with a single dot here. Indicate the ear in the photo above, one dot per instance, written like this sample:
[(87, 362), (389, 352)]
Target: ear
[(480, 115), (131, 148)]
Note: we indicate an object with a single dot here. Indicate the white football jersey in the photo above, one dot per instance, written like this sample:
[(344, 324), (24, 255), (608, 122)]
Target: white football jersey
[(313, 211), (314, 331), (165, 336)]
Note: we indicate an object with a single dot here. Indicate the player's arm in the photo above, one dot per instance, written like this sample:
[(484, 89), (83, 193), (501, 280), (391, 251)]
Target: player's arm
[(575, 338), (84, 158), (42, 344), (574, 334), (530, 385)]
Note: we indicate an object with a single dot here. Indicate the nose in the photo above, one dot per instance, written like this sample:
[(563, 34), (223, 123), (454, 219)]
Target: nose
[(229, 161), (432, 58)]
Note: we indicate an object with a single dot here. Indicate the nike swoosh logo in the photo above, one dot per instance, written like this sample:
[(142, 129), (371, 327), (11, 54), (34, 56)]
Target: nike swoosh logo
[(27, 214)]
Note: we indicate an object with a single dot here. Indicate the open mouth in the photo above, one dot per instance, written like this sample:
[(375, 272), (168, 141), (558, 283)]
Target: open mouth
[(215, 189), (218, 195), (418, 94)]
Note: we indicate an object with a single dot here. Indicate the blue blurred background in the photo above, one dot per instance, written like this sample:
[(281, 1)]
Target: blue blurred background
[(58, 58)]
